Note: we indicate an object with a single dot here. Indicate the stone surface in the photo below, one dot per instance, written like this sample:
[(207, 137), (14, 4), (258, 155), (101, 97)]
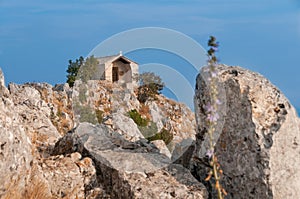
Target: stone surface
[(125, 126), (3, 89), (115, 101), (178, 119), (257, 138), (172, 182), (163, 149), (46, 152), (69, 176), (15, 149), (128, 169), (35, 115)]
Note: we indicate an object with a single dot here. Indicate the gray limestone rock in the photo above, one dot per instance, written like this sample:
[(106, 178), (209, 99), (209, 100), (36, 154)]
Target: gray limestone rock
[(126, 127), (15, 148), (126, 169), (163, 149), (42, 153), (68, 176), (3, 89), (257, 139)]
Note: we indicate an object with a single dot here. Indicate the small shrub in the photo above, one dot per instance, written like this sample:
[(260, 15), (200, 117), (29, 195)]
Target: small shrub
[(137, 118), (73, 69), (99, 115), (164, 135), (148, 92), (150, 86)]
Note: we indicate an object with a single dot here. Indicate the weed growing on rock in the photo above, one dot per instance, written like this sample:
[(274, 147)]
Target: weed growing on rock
[(99, 115), (137, 118), (213, 116), (164, 135)]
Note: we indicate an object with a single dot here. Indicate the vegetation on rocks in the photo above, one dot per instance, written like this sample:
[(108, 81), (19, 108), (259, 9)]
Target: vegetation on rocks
[(73, 69), (212, 118), (81, 68), (137, 118), (151, 85), (99, 116), (164, 135)]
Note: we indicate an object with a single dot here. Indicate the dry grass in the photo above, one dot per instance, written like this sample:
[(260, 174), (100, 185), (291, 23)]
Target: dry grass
[(65, 124), (144, 111), (62, 125), (37, 138), (34, 190)]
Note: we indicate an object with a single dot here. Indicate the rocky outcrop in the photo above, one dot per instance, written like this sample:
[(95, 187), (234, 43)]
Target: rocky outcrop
[(28, 133), (3, 89), (109, 104), (257, 137), (34, 115), (48, 151), (125, 126), (177, 118), (130, 169), (58, 142), (68, 176), (15, 148)]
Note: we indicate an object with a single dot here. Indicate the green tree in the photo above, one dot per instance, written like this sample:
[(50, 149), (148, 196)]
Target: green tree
[(73, 69), (81, 68), (89, 68), (151, 85)]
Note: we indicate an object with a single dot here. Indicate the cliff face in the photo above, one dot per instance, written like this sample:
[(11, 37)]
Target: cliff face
[(58, 142), (257, 137)]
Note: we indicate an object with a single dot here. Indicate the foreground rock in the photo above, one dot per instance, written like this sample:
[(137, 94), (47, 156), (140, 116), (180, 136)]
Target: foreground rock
[(130, 169), (28, 133), (118, 162), (257, 138), (15, 147)]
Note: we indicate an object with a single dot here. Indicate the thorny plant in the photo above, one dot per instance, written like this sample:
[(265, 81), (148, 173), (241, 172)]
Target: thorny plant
[(212, 117)]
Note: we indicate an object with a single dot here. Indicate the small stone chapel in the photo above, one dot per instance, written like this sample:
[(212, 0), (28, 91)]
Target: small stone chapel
[(117, 68)]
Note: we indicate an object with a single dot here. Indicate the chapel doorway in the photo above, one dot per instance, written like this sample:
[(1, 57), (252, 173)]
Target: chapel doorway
[(115, 74)]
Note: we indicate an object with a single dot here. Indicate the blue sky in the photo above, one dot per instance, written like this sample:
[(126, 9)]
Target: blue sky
[(37, 38)]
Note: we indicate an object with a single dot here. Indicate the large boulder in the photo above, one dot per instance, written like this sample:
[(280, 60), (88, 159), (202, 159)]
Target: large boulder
[(257, 141), (178, 119), (129, 169), (126, 126), (35, 115), (67, 176)]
